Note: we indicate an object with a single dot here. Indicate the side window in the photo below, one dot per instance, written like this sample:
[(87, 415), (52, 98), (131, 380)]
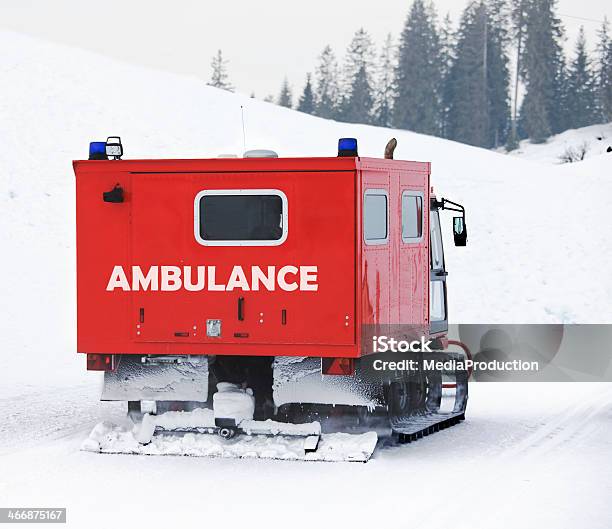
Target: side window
[(240, 217), (376, 216), (412, 216)]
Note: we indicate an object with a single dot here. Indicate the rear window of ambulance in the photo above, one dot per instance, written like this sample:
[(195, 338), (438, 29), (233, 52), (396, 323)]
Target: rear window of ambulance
[(241, 217)]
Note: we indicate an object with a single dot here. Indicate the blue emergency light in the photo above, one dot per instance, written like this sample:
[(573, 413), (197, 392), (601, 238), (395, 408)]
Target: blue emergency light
[(97, 150), (347, 147)]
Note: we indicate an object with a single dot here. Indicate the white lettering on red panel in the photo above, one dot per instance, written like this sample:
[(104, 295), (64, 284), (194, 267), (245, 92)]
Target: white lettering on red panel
[(198, 278)]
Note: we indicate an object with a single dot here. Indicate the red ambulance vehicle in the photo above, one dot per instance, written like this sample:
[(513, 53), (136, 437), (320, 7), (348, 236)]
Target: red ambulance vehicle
[(266, 279)]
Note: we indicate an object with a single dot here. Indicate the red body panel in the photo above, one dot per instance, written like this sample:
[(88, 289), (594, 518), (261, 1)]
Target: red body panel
[(356, 283), (395, 276)]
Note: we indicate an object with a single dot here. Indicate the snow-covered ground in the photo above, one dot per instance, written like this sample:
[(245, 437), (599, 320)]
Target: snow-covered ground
[(528, 456), (593, 141)]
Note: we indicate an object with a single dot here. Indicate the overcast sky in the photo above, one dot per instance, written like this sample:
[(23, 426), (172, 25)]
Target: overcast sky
[(263, 40)]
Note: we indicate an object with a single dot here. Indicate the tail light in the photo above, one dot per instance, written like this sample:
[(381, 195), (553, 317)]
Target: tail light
[(100, 362), (338, 366)]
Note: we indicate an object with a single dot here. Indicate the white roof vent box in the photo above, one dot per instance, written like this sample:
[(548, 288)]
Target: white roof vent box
[(260, 153)]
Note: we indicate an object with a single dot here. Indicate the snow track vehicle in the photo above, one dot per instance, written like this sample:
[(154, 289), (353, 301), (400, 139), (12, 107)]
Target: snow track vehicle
[(259, 296)]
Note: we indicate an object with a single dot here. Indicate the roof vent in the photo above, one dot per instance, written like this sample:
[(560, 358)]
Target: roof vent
[(260, 153)]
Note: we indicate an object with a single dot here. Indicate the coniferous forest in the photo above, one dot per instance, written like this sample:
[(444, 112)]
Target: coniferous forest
[(498, 75)]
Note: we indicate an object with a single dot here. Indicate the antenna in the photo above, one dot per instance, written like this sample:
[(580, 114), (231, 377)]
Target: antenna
[(243, 129)]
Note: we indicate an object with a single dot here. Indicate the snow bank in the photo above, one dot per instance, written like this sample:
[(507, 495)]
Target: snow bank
[(595, 139)]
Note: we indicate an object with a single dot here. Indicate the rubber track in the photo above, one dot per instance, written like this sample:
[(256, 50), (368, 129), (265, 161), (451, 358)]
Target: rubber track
[(417, 426)]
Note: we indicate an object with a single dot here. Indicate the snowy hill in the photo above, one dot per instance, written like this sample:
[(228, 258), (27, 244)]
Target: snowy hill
[(534, 231), (538, 241), (593, 141)]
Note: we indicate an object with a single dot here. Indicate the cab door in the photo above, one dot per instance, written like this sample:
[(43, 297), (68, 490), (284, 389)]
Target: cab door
[(438, 314)]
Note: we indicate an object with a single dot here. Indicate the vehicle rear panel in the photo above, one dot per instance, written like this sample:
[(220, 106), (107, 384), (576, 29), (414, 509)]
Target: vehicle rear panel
[(154, 226)]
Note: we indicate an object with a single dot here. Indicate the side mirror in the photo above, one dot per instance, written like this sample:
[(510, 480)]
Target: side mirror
[(459, 231)]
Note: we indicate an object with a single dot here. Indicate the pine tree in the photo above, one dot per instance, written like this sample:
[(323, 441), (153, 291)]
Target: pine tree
[(447, 56), (498, 72), (534, 112), (418, 76), (519, 22), (219, 77), (285, 97), (468, 112), (478, 102), (326, 95), (385, 85), (447, 41), (306, 103), (581, 88), (543, 109), (357, 100), (604, 73), (360, 103)]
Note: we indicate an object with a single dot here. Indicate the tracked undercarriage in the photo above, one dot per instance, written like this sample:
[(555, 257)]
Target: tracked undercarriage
[(285, 398)]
